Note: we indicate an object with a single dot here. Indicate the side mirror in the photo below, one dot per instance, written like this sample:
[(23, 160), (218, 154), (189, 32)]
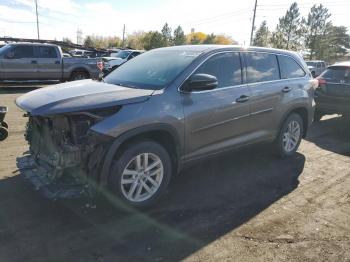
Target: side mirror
[(200, 82)]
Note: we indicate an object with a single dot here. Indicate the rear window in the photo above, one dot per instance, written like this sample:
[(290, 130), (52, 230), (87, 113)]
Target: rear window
[(47, 52), (289, 68), (261, 67), (337, 74)]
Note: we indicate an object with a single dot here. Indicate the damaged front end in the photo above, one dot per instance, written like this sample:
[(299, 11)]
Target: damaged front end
[(64, 154)]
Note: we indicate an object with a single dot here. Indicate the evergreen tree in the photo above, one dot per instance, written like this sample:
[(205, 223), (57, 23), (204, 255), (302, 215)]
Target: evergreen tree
[(262, 35), (316, 26), (179, 36), (166, 32)]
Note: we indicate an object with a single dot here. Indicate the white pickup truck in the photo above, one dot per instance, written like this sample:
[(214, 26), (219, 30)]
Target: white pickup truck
[(34, 61)]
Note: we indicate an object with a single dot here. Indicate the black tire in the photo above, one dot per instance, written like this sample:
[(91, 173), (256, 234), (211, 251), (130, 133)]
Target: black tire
[(279, 144), (4, 124), (124, 159), (79, 75), (3, 133)]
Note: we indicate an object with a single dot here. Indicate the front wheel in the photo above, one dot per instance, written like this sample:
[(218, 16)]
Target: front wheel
[(79, 75), (3, 133), (141, 174), (290, 135)]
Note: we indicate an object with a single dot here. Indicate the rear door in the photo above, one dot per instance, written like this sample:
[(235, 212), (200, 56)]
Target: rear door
[(49, 62), (219, 118), (267, 91), (19, 63)]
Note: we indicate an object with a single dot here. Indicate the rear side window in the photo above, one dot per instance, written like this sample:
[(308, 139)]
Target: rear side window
[(261, 67), (289, 68), (20, 51), (225, 67), (47, 52)]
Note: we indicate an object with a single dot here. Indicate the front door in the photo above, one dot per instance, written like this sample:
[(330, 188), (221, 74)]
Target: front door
[(19, 63), (214, 119)]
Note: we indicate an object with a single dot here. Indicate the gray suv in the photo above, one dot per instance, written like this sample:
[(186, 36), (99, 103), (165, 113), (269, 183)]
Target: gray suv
[(134, 130)]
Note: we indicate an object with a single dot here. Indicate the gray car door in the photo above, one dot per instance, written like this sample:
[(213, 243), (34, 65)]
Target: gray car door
[(267, 91), (49, 63), (19, 63), (216, 118)]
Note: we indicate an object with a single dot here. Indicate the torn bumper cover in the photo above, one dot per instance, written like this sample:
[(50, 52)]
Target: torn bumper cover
[(42, 181), (64, 155)]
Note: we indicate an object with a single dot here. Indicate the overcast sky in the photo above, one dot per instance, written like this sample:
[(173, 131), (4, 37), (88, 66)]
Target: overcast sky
[(62, 18)]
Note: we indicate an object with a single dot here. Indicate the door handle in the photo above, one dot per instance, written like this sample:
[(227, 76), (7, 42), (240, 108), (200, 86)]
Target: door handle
[(34, 62), (242, 99), (286, 89)]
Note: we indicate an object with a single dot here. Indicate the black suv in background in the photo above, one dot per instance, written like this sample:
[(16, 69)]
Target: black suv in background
[(167, 107), (333, 94)]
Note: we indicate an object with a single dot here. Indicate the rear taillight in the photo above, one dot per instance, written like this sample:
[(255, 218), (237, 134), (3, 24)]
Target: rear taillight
[(321, 81), (100, 65)]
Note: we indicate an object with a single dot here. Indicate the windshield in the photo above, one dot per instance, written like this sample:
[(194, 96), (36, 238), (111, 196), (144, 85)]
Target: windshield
[(4, 48), (152, 70), (311, 64), (123, 54)]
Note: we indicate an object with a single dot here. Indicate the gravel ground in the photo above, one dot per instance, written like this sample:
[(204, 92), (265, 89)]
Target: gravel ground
[(244, 206)]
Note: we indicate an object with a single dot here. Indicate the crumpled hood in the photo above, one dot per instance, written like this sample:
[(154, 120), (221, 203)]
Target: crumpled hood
[(79, 96)]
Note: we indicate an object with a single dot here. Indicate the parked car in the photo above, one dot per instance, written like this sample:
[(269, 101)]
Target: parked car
[(111, 63), (165, 108), (31, 61), (316, 67), (333, 94)]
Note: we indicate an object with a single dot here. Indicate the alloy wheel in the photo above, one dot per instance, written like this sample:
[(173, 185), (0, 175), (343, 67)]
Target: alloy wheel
[(142, 177)]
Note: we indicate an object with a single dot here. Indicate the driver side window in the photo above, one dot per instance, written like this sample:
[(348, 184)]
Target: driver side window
[(226, 67), (21, 51)]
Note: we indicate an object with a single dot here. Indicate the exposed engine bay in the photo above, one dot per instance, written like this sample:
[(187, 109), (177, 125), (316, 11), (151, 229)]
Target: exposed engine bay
[(65, 155)]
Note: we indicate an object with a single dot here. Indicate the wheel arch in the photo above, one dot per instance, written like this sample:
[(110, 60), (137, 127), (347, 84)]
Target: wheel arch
[(161, 133), (303, 112), (79, 69)]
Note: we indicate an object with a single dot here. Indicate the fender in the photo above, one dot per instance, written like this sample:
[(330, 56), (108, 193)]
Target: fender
[(296, 107), (132, 133)]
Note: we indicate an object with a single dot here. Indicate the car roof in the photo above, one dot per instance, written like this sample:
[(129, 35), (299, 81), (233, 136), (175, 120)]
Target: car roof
[(345, 63), (209, 48), (34, 44), (315, 61)]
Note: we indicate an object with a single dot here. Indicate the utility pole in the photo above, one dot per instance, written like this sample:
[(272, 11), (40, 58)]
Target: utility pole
[(79, 36), (37, 18), (253, 23), (123, 43)]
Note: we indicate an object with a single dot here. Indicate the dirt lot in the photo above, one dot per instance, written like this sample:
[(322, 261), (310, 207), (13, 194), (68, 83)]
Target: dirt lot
[(245, 206)]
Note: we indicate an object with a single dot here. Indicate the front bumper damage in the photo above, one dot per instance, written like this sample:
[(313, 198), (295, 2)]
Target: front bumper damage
[(64, 156)]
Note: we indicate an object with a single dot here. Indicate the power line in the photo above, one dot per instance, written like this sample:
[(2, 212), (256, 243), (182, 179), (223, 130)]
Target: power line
[(16, 22), (217, 17)]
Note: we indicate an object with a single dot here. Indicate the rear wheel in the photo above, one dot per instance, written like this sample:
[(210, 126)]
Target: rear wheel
[(4, 124), (79, 75), (290, 135), (3, 133), (141, 174)]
